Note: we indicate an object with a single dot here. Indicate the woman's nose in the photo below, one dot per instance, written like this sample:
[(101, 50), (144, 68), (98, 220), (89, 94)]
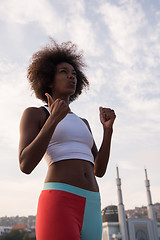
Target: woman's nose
[(71, 76)]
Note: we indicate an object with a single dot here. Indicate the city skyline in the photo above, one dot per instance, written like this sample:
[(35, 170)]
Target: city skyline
[(129, 212), (121, 43)]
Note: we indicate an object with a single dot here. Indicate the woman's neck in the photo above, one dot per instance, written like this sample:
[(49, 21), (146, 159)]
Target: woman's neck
[(64, 98)]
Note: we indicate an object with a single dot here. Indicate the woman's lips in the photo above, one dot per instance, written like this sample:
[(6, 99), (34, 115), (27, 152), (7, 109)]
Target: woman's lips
[(72, 84)]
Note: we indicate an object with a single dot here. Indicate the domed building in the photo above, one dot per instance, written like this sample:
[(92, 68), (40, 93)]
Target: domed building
[(110, 214), (110, 223)]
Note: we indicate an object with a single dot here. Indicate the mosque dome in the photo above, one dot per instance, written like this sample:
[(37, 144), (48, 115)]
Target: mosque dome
[(110, 214)]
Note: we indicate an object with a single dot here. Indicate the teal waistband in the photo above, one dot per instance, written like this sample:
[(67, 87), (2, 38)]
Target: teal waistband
[(72, 189)]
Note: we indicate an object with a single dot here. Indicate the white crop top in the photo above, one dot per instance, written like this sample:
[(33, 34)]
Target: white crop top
[(71, 140)]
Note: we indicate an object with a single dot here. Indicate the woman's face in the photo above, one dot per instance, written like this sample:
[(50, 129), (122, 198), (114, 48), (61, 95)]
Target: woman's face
[(65, 80)]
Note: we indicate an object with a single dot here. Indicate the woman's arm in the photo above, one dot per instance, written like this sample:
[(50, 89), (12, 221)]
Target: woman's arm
[(107, 117), (34, 139)]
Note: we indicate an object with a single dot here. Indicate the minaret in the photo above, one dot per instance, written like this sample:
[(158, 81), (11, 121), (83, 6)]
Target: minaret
[(121, 211), (151, 212)]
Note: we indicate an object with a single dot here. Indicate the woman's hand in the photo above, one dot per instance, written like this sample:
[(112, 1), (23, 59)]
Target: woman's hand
[(107, 117), (58, 109)]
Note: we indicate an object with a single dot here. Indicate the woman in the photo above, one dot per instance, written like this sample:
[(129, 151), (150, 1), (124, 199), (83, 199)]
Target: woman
[(69, 206)]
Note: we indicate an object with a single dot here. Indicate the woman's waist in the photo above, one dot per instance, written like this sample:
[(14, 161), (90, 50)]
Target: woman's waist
[(76, 172)]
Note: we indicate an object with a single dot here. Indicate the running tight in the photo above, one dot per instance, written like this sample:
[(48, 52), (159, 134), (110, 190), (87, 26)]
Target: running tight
[(66, 212)]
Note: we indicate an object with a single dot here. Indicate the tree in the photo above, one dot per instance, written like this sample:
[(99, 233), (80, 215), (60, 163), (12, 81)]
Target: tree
[(16, 235), (26, 236)]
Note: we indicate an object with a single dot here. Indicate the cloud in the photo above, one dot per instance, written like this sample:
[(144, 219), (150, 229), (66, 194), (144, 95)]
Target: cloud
[(26, 11), (72, 26), (124, 22), (78, 26), (15, 97), (135, 74), (19, 14)]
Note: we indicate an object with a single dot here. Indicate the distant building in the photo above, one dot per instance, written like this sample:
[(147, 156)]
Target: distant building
[(21, 227), (4, 230), (142, 212), (116, 224)]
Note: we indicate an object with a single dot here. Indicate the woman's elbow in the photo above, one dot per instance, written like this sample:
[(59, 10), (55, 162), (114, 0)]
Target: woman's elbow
[(24, 168), (99, 174)]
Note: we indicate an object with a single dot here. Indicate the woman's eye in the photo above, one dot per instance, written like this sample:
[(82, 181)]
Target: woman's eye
[(63, 71)]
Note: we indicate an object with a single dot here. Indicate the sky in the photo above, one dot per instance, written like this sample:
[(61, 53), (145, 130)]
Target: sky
[(121, 45)]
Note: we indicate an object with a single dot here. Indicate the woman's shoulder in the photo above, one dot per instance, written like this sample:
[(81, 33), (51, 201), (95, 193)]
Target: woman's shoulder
[(37, 114), (33, 111)]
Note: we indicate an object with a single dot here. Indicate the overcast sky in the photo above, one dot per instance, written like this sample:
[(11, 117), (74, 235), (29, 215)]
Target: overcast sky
[(121, 44)]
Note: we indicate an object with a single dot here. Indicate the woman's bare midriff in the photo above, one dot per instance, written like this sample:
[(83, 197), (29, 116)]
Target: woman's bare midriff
[(75, 172)]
